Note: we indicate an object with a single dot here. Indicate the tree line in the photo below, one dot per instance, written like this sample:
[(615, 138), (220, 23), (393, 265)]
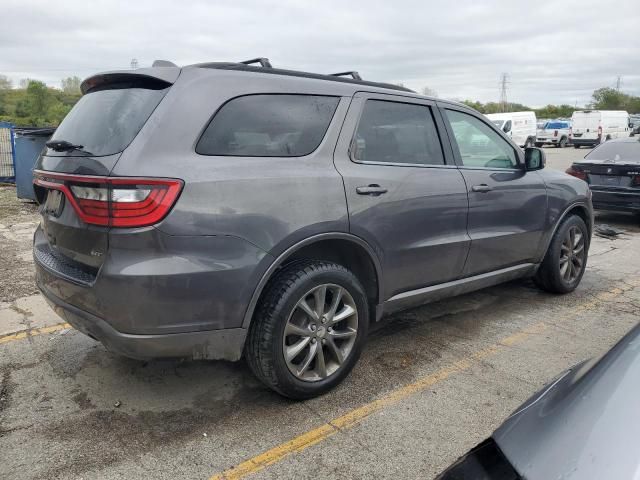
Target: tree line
[(602, 99), (34, 104)]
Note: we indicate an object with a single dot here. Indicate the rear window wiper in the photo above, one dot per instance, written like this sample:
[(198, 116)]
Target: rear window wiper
[(64, 146)]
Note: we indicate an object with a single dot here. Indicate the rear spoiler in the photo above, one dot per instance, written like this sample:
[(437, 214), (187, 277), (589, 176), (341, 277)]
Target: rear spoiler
[(167, 75)]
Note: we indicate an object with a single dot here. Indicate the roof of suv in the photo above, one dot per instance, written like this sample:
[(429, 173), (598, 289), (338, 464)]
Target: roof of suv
[(169, 72), (296, 73)]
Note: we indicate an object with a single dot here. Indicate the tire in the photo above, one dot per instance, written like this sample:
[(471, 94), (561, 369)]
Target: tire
[(280, 308), (562, 143), (538, 145), (551, 276), (529, 143), (576, 146)]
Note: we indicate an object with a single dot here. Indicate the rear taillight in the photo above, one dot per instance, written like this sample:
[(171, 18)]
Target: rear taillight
[(555, 133), (577, 172), (635, 181), (599, 131), (114, 201)]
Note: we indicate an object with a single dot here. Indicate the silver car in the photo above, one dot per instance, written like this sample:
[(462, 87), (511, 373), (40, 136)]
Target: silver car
[(582, 426)]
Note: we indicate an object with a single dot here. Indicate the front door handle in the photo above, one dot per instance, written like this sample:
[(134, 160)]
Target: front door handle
[(373, 189), (481, 188)]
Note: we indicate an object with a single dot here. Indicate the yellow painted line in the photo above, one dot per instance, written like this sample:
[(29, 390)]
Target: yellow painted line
[(349, 419), (355, 416), (21, 335)]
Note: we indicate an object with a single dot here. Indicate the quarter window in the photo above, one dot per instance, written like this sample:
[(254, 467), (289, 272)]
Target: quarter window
[(479, 145), (268, 126), (393, 132)]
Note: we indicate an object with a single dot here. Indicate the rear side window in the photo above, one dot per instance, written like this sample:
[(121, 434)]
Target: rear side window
[(105, 121), (393, 132), (268, 126)]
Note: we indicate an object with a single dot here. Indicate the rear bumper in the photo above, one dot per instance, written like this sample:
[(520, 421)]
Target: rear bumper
[(615, 199), (585, 141), (226, 344), (156, 284)]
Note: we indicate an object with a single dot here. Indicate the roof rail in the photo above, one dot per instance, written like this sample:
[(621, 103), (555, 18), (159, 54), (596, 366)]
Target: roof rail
[(163, 63), (264, 62), (353, 74)]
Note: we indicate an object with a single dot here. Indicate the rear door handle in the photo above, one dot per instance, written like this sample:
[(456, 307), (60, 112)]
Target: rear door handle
[(481, 188), (373, 189)]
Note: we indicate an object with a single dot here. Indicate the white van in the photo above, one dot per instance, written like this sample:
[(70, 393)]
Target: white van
[(520, 126), (591, 127)]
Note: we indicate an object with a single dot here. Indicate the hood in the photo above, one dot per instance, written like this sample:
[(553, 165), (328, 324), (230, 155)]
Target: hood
[(585, 425)]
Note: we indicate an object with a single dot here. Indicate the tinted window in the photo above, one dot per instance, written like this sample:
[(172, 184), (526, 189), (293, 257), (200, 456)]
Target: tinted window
[(391, 132), (268, 126), (556, 125), (627, 151), (105, 121), (479, 145)]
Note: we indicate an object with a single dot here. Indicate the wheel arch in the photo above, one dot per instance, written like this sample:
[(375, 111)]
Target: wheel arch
[(577, 208), (346, 249)]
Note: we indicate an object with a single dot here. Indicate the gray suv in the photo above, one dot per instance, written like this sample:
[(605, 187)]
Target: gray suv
[(223, 210)]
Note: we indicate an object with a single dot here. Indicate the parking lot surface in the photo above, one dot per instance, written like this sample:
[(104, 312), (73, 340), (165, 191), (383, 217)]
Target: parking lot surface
[(431, 384)]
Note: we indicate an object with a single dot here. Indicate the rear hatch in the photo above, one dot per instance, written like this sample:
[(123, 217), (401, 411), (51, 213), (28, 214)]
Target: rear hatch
[(71, 177), (585, 124), (613, 164)]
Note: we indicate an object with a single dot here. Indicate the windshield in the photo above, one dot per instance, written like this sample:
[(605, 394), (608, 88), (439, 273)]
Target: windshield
[(105, 121), (617, 151), (498, 123)]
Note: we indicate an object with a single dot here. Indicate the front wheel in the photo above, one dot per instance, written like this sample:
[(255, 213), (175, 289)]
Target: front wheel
[(562, 143), (309, 329), (566, 258)]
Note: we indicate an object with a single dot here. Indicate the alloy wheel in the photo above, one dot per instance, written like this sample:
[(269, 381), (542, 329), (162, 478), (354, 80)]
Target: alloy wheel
[(320, 333), (572, 255)]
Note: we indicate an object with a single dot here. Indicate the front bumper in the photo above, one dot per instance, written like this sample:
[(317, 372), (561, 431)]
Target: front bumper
[(624, 200), (226, 344)]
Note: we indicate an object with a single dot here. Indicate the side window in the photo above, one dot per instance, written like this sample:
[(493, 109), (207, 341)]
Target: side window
[(479, 144), (393, 132), (268, 126)]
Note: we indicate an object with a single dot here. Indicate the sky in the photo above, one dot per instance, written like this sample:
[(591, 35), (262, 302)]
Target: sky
[(553, 51)]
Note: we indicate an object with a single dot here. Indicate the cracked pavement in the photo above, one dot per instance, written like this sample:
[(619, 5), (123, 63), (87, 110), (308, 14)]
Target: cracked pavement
[(69, 409)]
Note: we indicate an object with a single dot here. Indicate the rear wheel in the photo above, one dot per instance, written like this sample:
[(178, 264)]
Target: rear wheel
[(309, 329), (566, 258), (538, 144)]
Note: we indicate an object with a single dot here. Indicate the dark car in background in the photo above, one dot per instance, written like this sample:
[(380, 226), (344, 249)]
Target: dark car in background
[(612, 171), (582, 426), (225, 209)]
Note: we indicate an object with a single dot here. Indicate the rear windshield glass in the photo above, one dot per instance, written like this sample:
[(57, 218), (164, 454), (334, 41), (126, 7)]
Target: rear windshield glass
[(626, 151), (556, 125), (105, 121), (268, 126)]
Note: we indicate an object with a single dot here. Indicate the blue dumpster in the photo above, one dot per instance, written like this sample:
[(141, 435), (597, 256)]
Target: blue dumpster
[(29, 143)]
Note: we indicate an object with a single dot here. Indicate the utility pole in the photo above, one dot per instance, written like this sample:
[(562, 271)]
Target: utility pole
[(618, 82), (504, 104), (134, 63)]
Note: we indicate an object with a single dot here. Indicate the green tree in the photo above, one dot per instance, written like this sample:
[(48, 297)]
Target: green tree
[(607, 98), (71, 85)]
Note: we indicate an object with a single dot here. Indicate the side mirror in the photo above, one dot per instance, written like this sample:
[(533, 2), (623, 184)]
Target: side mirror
[(534, 159)]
